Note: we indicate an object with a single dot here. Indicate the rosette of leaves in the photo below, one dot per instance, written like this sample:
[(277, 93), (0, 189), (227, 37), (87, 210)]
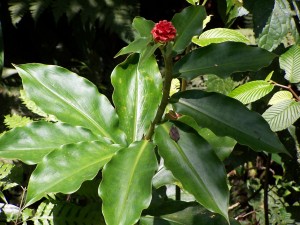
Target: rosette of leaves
[(124, 140)]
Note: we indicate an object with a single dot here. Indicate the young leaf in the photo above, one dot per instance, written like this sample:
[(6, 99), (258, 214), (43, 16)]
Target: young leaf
[(125, 189), (137, 95), (65, 169), (32, 142), (71, 99), (188, 23), (143, 26), (280, 23), (290, 63), (16, 121), (222, 60), (283, 114), (251, 91), (192, 162), (219, 35), (280, 96), (228, 117)]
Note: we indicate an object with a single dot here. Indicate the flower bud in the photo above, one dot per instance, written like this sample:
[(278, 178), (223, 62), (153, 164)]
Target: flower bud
[(163, 31)]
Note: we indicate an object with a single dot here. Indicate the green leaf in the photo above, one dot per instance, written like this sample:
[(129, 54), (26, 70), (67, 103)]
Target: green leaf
[(143, 26), (65, 169), (70, 98), (136, 95), (251, 91), (192, 162), (282, 114), (16, 121), (188, 23), (1, 51), (164, 177), (222, 60), (290, 63), (136, 46), (280, 96), (32, 142), (125, 189), (228, 117), (219, 35), (280, 23)]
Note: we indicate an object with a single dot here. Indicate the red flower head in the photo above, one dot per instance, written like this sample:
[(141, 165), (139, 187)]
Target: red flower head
[(163, 31)]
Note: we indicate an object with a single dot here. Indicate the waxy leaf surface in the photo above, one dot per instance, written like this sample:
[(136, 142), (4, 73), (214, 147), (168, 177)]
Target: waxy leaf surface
[(228, 117), (65, 169), (222, 60), (32, 142), (125, 189), (137, 95), (71, 99), (196, 166)]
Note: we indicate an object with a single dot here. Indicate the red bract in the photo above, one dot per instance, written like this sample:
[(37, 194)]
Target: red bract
[(163, 31)]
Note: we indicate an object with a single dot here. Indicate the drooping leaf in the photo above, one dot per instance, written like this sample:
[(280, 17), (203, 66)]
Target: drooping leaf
[(279, 24), (280, 96), (125, 189), (228, 117), (65, 169), (32, 142), (188, 23), (251, 91), (283, 114), (219, 35), (192, 161), (290, 63), (136, 46), (70, 98), (222, 60), (137, 95)]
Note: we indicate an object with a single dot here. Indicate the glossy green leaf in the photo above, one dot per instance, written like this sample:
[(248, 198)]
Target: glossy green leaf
[(188, 23), (228, 117), (279, 24), (125, 189), (137, 95), (219, 35), (222, 146), (70, 98), (136, 46), (222, 60), (251, 91), (192, 162), (163, 177), (143, 26), (32, 142), (192, 215), (1, 51), (280, 96), (65, 169), (290, 63), (282, 114)]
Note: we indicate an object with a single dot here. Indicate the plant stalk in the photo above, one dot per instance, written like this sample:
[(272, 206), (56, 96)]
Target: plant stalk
[(266, 189), (168, 76)]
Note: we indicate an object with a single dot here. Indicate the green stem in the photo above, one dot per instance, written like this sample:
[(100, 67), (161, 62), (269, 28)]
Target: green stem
[(266, 189), (168, 73)]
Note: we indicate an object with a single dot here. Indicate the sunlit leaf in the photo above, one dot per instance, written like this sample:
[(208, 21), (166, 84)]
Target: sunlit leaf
[(32, 142), (290, 63), (70, 98), (226, 116), (251, 91), (192, 161), (219, 35), (125, 189), (280, 96), (283, 114), (222, 60), (65, 169), (136, 95)]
